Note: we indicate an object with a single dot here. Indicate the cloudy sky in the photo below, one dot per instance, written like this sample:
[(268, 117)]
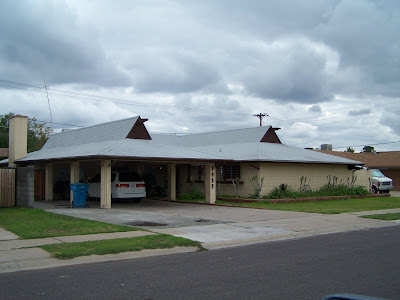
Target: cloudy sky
[(326, 72)]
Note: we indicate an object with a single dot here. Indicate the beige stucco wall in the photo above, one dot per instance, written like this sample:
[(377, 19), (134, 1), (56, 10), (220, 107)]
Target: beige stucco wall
[(277, 173), (316, 175)]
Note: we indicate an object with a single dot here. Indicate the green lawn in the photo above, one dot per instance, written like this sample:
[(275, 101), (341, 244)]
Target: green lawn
[(161, 241), (36, 223), (386, 217), (326, 207)]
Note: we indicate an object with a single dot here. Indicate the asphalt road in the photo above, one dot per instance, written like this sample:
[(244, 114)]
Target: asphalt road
[(363, 262)]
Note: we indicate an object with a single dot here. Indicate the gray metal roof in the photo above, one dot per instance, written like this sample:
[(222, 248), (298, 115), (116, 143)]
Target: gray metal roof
[(109, 140), (116, 130)]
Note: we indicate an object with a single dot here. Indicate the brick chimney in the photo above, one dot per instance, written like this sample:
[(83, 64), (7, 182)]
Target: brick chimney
[(17, 138)]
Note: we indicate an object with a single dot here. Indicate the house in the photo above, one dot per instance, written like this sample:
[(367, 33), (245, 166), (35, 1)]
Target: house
[(208, 161), (3, 152), (387, 162)]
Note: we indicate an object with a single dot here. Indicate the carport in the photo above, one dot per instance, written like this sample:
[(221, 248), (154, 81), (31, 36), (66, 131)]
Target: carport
[(72, 156), (80, 170)]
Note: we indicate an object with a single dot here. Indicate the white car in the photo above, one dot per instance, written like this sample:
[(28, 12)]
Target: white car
[(381, 183), (124, 185)]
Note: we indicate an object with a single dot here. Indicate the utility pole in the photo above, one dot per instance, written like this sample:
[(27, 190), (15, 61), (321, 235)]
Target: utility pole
[(261, 116), (48, 100)]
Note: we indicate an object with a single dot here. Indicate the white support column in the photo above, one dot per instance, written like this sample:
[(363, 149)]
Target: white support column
[(105, 194), (171, 182), (74, 177), (210, 183), (48, 188)]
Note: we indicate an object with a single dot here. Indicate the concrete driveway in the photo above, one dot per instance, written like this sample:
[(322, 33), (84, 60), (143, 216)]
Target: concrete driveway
[(218, 226)]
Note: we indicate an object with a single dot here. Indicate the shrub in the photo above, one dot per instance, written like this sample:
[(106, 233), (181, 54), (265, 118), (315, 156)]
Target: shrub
[(283, 191), (194, 194), (341, 190)]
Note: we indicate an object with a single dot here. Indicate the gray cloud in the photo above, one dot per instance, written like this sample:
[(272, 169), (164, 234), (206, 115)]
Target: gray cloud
[(359, 112), (46, 39), (224, 60), (315, 108)]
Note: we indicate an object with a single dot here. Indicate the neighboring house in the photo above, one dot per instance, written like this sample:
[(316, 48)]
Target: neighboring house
[(3, 152), (208, 161), (387, 162)]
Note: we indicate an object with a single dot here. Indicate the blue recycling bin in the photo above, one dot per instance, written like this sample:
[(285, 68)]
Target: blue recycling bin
[(79, 194)]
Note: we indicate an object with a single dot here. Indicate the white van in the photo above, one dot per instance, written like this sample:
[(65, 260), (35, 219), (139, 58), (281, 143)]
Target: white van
[(124, 185), (381, 183)]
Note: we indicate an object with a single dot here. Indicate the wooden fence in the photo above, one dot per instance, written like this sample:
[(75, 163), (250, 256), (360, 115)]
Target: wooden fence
[(7, 187)]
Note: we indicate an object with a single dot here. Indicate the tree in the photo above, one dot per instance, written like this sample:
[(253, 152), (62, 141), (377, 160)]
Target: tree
[(349, 149), (4, 130), (369, 149), (38, 133)]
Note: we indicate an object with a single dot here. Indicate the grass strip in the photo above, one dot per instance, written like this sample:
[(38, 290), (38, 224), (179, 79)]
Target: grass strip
[(162, 241), (36, 223), (326, 207), (386, 217)]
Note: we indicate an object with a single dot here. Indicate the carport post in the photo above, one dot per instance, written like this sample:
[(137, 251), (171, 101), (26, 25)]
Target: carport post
[(210, 183), (105, 194), (171, 182), (48, 187), (74, 178)]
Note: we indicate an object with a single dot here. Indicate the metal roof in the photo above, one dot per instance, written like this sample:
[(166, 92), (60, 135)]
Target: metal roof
[(109, 140), (116, 130)]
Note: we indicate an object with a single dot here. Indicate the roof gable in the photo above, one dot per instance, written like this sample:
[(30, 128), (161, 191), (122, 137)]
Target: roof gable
[(139, 131), (271, 137)]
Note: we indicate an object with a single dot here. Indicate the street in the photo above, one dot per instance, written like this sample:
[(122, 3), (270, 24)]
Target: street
[(362, 262)]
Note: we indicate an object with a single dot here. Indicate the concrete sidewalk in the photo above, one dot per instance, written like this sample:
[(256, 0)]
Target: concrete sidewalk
[(215, 227), (20, 255)]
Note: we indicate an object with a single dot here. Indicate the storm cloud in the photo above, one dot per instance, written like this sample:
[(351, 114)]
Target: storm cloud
[(315, 67)]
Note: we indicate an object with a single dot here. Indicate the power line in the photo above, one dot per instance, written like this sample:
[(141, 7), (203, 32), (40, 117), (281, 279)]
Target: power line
[(29, 87), (369, 145)]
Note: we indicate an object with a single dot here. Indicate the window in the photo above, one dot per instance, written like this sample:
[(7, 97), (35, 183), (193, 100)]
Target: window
[(230, 171), (196, 174), (224, 173), (129, 176), (227, 172)]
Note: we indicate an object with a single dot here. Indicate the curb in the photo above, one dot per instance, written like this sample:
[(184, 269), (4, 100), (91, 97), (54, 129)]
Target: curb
[(44, 263)]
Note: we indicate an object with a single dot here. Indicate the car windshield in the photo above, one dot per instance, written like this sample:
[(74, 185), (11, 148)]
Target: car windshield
[(377, 173), (128, 177)]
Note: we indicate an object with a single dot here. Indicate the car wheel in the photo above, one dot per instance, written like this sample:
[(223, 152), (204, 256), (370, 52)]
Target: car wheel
[(374, 190)]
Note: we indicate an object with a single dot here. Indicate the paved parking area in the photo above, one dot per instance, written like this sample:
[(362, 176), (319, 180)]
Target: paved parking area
[(218, 226)]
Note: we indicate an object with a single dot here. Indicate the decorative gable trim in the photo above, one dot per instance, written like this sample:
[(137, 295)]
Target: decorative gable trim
[(139, 131), (271, 137)]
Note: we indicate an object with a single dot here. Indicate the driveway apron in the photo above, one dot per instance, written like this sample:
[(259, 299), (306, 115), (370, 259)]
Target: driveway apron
[(217, 226)]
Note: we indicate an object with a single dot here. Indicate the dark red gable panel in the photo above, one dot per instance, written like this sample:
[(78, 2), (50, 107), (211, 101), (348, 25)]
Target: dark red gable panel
[(271, 137), (139, 131)]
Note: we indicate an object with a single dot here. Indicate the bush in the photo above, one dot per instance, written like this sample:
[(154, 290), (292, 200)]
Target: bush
[(341, 190), (194, 194), (283, 191)]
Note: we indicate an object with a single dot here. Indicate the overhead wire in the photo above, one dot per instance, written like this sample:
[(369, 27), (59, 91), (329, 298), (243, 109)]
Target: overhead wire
[(375, 144), (91, 97)]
